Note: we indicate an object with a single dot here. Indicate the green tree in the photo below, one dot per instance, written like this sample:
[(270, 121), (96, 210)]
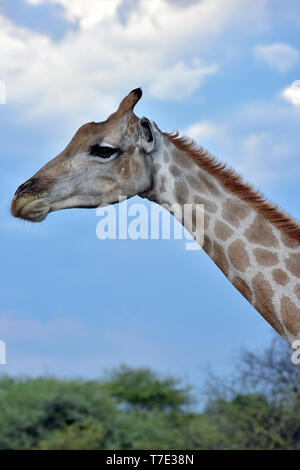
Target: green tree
[(145, 390), (257, 408), (33, 409)]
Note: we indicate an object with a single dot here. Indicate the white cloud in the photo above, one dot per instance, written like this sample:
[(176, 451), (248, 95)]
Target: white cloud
[(292, 93), (260, 156), (179, 81), (260, 141), (278, 55), (34, 2), (88, 13), (161, 46), (201, 129)]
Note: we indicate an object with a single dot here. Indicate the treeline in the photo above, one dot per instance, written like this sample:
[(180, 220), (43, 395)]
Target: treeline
[(258, 408)]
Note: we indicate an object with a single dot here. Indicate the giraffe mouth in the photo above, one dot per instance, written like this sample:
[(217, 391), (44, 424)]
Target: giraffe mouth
[(31, 208)]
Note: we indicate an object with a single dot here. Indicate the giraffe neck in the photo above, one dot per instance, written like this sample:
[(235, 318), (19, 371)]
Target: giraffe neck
[(262, 262)]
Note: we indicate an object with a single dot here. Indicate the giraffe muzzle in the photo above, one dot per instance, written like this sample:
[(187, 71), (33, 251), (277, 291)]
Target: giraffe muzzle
[(28, 202), (26, 187)]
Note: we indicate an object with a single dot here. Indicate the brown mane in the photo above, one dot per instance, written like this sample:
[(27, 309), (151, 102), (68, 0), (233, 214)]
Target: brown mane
[(234, 183)]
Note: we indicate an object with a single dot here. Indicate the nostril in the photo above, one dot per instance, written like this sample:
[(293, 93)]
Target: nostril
[(25, 187)]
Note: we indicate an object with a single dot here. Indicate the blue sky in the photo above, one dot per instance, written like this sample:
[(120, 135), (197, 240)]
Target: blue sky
[(220, 71)]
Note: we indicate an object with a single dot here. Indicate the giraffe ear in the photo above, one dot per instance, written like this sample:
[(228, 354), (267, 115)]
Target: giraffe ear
[(147, 135)]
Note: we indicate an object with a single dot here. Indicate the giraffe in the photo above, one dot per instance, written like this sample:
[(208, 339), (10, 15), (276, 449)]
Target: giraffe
[(256, 245)]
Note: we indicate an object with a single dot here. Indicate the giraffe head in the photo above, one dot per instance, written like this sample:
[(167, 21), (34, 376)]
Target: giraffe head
[(104, 162)]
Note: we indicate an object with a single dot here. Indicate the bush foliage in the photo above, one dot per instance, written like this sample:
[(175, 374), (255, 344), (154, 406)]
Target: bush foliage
[(258, 408)]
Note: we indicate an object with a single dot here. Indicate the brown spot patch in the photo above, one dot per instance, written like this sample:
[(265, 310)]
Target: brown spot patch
[(194, 220), (243, 287), (181, 192), (162, 184), (210, 185), (197, 222), (166, 157), (297, 291), (289, 242), (293, 264), (208, 205), (234, 211), (220, 259), (222, 230), (280, 277), (206, 221), (261, 233), (291, 316), (265, 257), (135, 165), (124, 168), (207, 245), (263, 301), (174, 170), (182, 159), (238, 255), (196, 184), (132, 120)]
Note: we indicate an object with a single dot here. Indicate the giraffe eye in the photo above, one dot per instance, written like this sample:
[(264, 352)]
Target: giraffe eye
[(102, 151)]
